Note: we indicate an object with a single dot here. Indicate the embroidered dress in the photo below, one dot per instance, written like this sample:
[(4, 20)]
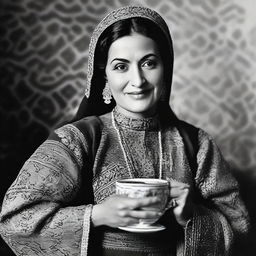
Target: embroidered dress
[(40, 215), (47, 209)]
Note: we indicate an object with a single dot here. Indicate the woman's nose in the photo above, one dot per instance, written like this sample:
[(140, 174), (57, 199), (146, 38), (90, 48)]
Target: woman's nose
[(137, 77)]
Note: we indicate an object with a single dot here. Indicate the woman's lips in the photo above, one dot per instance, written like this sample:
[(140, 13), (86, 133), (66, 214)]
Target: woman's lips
[(139, 92)]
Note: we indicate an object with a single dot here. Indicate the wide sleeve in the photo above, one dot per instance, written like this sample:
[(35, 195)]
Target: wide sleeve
[(220, 217), (37, 216)]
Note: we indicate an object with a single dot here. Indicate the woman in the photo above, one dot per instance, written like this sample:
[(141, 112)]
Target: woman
[(63, 201)]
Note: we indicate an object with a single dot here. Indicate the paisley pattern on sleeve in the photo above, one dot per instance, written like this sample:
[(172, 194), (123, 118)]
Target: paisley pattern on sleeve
[(35, 218)]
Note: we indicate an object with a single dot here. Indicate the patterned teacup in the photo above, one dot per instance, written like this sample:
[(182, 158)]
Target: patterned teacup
[(144, 187)]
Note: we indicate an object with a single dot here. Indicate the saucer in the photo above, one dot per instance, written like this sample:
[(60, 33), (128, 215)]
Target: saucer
[(143, 229)]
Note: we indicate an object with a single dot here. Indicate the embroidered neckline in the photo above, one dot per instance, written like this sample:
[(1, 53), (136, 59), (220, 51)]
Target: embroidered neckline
[(150, 123), (122, 142)]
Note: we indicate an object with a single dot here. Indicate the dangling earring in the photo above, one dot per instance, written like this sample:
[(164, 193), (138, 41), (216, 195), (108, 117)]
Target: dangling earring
[(107, 96)]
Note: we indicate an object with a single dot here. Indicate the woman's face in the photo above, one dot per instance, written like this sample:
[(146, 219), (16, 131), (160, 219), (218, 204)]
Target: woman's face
[(134, 72)]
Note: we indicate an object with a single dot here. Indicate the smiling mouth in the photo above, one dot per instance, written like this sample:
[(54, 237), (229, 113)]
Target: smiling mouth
[(139, 92)]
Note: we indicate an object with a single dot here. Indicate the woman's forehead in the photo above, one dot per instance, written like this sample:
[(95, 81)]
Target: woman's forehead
[(134, 45)]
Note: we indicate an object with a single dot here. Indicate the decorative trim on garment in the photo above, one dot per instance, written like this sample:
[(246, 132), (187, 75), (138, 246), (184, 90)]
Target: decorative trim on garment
[(86, 230), (72, 138), (140, 124)]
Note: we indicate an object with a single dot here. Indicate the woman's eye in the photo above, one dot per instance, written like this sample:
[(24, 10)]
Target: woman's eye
[(149, 64), (120, 67)]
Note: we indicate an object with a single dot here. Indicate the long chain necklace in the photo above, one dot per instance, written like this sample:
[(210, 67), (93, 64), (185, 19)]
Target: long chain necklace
[(125, 154)]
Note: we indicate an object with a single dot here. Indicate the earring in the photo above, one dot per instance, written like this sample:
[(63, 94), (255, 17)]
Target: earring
[(107, 96)]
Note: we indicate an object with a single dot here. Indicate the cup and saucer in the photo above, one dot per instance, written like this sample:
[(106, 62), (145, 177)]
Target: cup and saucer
[(140, 188)]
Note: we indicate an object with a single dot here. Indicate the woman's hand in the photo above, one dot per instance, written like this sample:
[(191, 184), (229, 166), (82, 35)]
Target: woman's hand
[(184, 207), (117, 211)]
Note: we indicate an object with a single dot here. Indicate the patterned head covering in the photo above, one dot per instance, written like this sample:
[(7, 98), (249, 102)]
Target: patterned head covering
[(96, 106)]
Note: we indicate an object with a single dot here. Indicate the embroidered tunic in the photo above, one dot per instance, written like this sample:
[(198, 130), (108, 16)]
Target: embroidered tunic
[(47, 209)]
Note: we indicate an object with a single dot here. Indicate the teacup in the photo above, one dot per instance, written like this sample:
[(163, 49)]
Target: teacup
[(145, 187)]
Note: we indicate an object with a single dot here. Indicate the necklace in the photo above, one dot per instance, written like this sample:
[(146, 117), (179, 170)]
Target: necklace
[(125, 154)]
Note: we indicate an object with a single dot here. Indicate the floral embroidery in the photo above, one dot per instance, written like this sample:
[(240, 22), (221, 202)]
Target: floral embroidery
[(72, 138)]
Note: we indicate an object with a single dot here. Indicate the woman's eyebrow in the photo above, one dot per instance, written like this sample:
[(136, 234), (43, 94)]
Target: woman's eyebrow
[(119, 59), (143, 58), (150, 55)]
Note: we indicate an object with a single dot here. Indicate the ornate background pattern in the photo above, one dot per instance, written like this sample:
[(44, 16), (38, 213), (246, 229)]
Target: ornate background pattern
[(43, 54)]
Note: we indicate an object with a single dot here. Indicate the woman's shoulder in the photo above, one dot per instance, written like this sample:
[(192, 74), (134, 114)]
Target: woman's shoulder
[(89, 125), (85, 131), (86, 126), (194, 136), (92, 122), (194, 130)]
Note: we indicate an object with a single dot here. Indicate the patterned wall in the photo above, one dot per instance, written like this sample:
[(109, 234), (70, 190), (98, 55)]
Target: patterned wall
[(43, 54)]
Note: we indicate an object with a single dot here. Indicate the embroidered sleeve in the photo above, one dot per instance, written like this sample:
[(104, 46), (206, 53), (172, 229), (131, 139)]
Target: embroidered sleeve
[(37, 216), (223, 217)]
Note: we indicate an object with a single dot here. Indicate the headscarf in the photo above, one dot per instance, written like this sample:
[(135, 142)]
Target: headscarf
[(92, 103)]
